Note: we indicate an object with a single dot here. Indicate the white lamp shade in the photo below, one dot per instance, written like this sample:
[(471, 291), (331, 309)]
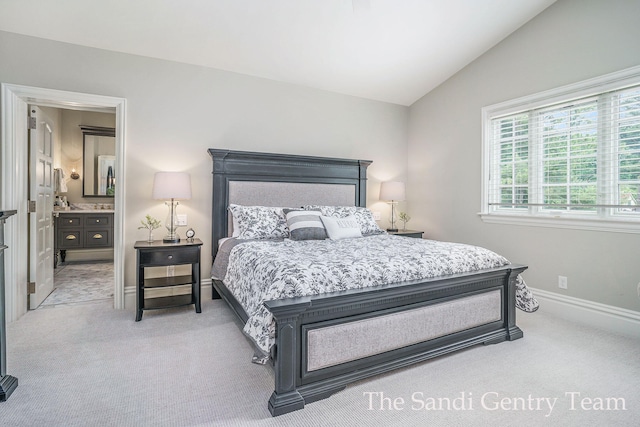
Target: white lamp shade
[(392, 191), (172, 185)]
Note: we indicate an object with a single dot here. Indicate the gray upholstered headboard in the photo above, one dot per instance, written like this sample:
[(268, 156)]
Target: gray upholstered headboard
[(265, 179), (290, 194)]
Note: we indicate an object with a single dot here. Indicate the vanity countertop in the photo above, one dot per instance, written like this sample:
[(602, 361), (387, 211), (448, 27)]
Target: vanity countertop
[(84, 211)]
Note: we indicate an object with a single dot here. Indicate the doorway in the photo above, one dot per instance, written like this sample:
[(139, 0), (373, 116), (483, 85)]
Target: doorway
[(14, 186), (82, 267)]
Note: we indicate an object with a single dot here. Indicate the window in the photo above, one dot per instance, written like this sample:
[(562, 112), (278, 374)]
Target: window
[(566, 158)]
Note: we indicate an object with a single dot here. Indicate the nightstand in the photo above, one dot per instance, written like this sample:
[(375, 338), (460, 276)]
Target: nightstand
[(408, 233), (159, 254)]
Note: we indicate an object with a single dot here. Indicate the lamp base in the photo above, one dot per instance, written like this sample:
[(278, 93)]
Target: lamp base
[(170, 240), (393, 230)]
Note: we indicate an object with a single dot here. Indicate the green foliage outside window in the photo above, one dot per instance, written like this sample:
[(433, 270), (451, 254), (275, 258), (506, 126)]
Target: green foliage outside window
[(568, 157)]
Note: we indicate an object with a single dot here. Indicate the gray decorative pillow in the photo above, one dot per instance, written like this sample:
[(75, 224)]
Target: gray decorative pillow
[(364, 216), (304, 225), (259, 222)]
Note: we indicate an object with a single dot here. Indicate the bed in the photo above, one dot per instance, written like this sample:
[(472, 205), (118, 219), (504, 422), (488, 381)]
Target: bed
[(320, 342)]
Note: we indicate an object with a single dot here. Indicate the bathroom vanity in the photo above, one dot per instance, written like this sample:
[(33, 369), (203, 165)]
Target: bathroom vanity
[(82, 229)]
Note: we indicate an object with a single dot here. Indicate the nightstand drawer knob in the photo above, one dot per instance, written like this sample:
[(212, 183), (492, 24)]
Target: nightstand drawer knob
[(170, 257)]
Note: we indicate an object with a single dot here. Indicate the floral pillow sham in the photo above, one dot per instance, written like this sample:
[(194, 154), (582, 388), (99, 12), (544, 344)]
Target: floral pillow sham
[(258, 222), (265, 222)]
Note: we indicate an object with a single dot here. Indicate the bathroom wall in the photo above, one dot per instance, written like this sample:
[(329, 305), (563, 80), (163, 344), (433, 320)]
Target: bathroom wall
[(71, 146)]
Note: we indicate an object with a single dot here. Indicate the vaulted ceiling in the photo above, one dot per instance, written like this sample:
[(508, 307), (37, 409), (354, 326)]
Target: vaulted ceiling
[(389, 50)]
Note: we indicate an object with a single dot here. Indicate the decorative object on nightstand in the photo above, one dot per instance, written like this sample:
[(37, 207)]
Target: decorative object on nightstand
[(150, 223), (393, 192), (404, 217), (160, 254), (174, 186), (190, 233)]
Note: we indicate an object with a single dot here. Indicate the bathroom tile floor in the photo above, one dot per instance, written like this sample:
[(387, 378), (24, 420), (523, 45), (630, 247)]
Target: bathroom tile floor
[(78, 282)]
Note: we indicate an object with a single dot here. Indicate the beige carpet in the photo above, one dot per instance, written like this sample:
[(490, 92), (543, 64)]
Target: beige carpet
[(88, 364)]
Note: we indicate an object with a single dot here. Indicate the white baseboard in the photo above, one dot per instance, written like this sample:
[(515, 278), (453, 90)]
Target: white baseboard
[(607, 317), (130, 294)]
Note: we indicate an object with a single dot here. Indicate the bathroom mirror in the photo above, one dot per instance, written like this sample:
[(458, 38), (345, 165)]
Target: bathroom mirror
[(99, 167)]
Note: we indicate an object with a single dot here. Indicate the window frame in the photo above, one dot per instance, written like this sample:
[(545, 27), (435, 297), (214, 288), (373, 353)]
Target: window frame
[(534, 216)]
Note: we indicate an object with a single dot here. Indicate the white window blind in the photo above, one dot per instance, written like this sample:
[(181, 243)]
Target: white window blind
[(577, 158)]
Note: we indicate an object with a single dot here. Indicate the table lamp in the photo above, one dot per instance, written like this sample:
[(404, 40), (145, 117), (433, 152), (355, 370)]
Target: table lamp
[(393, 192), (172, 186)]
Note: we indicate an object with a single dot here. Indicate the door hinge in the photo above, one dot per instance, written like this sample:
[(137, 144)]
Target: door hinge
[(33, 124), (31, 287), (31, 206)]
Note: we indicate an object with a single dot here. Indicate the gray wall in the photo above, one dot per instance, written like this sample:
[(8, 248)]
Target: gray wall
[(176, 111), (572, 40)]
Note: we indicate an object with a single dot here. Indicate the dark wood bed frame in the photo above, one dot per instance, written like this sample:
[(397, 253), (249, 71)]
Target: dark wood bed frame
[(295, 385)]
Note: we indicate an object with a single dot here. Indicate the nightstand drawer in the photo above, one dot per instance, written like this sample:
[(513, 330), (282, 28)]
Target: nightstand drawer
[(417, 235), (159, 257), (408, 233)]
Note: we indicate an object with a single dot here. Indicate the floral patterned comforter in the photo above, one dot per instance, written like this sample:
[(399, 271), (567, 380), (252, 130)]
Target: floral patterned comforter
[(263, 270)]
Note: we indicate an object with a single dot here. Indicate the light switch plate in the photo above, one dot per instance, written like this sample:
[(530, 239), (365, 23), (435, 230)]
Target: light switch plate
[(181, 219)]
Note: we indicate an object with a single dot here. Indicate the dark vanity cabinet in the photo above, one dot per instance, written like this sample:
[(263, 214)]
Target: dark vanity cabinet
[(77, 230)]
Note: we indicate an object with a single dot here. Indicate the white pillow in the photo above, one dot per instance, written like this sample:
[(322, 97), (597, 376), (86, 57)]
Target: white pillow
[(341, 228), (364, 216)]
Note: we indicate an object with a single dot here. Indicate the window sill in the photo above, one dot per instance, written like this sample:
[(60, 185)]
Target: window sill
[(616, 226)]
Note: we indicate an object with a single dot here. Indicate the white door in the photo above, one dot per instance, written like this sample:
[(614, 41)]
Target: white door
[(41, 219)]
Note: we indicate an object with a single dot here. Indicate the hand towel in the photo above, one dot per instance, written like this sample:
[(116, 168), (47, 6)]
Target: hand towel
[(60, 182)]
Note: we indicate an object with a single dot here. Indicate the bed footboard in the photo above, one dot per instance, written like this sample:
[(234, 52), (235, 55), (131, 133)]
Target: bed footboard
[(325, 342)]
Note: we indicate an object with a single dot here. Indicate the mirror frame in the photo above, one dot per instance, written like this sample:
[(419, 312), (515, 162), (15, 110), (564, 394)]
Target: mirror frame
[(93, 131)]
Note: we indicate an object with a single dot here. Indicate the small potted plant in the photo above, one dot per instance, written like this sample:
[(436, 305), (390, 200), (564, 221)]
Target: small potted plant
[(150, 223), (404, 217)]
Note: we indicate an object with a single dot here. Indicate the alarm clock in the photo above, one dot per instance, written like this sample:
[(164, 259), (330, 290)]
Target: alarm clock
[(190, 233)]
